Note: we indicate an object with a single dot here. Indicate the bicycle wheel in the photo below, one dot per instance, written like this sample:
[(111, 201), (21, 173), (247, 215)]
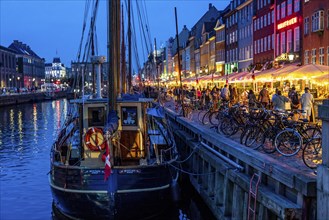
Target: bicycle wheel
[(227, 127), (288, 142), (214, 118), (312, 153), (254, 138), (268, 141), (312, 132), (200, 115), (205, 118), (244, 134)]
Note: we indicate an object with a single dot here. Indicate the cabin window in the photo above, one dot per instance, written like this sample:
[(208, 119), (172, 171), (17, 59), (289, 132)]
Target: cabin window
[(96, 116), (129, 116)]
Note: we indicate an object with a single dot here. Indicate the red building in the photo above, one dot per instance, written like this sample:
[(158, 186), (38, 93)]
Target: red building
[(287, 29), (316, 32), (263, 29)]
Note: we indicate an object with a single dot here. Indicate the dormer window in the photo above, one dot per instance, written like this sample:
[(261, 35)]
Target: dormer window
[(318, 21)]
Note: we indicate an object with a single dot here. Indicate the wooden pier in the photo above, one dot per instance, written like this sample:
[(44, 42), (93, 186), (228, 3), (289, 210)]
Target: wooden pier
[(224, 168)]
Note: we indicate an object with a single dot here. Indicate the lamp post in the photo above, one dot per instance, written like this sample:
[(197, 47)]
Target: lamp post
[(291, 56), (18, 82), (232, 67)]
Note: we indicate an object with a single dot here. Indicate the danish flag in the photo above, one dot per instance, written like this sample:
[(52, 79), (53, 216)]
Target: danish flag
[(107, 170)]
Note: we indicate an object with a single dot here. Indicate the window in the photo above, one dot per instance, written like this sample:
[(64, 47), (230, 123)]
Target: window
[(289, 41), (289, 7), (261, 22), (278, 12), (261, 45), (296, 39), (306, 25), (269, 18), (321, 55), (318, 21), (297, 5), (265, 44), (313, 56), (269, 42), (283, 9), (283, 42), (265, 21), (255, 45), (273, 41), (306, 58), (272, 16)]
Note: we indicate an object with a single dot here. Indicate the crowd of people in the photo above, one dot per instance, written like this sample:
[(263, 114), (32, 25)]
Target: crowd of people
[(228, 93)]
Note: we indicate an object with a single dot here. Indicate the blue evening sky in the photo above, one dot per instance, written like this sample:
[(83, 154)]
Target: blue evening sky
[(52, 28)]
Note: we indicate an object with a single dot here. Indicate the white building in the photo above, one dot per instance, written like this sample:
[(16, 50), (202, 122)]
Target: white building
[(55, 70)]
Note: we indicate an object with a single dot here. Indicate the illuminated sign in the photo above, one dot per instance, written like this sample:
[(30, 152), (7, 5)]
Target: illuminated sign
[(287, 23)]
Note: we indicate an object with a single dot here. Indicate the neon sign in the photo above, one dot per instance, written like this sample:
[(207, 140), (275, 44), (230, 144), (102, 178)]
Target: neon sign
[(287, 23)]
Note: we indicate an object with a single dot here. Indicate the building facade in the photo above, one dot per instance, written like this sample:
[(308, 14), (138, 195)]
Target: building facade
[(220, 46), (55, 70), (315, 32), (30, 66), (287, 29), (245, 35), (82, 73), (263, 34), (8, 74), (232, 56)]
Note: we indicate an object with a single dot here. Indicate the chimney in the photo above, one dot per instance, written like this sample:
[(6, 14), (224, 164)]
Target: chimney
[(210, 5)]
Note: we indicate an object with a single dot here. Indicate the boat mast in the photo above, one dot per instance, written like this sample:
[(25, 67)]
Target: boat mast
[(113, 44), (129, 48), (92, 55), (123, 58), (179, 67)]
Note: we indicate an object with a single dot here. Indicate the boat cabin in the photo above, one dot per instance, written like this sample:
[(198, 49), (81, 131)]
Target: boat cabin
[(129, 147)]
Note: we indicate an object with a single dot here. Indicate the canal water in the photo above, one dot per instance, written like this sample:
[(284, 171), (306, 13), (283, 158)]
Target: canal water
[(27, 132)]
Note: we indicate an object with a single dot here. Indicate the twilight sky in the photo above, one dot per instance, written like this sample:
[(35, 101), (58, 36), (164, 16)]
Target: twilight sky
[(53, 28)]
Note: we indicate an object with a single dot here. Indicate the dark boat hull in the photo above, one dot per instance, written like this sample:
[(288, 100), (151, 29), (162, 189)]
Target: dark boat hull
[(130, 193)]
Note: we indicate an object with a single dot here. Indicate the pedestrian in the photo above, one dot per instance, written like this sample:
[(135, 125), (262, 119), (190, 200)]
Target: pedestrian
[(244, 97), (225, 94), (279, 101), (307, 101), (264, 97), (235, 96), (251, 99), (293, 96), (207, 99)]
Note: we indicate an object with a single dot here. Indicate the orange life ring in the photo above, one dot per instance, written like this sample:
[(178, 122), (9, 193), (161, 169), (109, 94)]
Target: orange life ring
[(94, 139)]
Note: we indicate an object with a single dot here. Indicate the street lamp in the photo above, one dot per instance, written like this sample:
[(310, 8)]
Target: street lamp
[(291, 56)]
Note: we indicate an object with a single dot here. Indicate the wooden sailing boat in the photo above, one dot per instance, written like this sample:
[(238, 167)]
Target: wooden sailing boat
[(112, 158)]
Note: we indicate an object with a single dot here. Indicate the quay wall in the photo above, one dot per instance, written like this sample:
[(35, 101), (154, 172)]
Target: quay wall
[(223, 170), (14, 99)]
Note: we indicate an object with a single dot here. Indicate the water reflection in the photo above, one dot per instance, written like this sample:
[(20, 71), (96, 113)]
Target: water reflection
[(26, 135)]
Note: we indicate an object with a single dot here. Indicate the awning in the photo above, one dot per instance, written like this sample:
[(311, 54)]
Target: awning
[(323, 78), (238, 76), (303, 72)]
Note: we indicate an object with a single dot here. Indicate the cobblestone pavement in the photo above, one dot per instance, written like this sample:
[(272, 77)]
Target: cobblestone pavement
[(295, 161)]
